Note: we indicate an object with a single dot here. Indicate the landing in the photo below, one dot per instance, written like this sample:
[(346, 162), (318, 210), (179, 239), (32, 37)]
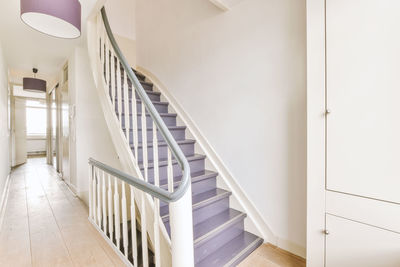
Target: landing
[(45, 225)]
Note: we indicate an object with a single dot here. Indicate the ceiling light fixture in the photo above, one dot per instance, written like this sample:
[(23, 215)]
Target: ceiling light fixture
[(34, 84), (58, 18)]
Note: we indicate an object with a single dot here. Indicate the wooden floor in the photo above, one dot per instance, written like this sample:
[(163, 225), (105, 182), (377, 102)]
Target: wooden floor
[(45, 225), (271, 256)]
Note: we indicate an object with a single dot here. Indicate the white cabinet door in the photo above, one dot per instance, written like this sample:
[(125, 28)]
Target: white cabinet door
[(363, 133), (354, 244), (363, 94)]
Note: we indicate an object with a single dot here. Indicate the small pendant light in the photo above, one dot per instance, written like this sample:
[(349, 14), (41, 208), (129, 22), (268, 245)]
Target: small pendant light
[(34, 84), (58, 18)]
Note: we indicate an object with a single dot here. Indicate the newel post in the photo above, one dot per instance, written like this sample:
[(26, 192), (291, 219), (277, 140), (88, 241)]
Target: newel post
[(182, 231)]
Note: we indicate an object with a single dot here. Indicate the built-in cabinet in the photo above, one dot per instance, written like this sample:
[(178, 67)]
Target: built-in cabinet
[(354, 119)]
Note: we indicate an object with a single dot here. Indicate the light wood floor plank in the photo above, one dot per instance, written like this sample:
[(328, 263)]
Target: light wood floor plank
[(270, 256), (46, 225)]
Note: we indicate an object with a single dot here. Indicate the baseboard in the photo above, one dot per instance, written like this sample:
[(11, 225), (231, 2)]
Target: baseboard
[(112, 245), (257, 223), (292, 248), (3, 201)]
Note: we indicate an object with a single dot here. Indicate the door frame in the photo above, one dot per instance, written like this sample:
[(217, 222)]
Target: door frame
[(316, 132)]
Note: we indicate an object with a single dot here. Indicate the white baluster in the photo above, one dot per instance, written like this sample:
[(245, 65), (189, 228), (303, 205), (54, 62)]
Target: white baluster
[(146, 178), (144, 143), (110, 209), (98, 36), (107, 60), (124, 221), (145, 254), (94, 194), (90, 191), (116, 214), (156, 200), (135, 125), (104, 202), (113, 87), (98, 198), (170, 171), (133, 227), (119, 94), (126, 108)]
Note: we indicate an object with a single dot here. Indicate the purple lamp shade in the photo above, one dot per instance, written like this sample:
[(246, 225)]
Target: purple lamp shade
[(59, 18), (33, 84)]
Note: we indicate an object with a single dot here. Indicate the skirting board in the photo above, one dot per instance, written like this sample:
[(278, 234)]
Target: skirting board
[(252, 212), (112, 245), (3, 201)]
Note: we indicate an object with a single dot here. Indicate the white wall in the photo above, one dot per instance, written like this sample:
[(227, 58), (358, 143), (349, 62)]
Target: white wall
[(121, 15), (4, 129), (241, 77), (89, 134)]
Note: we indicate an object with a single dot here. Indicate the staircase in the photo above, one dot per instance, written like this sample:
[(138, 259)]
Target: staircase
[(219, 237)]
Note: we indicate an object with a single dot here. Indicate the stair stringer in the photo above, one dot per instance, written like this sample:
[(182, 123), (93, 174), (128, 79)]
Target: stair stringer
[(122, 147), (254, 223)]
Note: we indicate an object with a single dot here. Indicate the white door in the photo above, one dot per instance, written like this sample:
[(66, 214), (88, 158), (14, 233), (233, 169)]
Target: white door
[(20, 131), (363, 132)]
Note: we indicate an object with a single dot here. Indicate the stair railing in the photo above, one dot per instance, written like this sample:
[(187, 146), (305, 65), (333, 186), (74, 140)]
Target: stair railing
[(106, 183)]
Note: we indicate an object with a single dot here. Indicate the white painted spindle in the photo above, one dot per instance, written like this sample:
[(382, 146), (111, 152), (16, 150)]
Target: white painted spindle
[(113, 87), (110, 208), (126, 108), (104, 201), (133, 227), (156, 200), (98, 198), (170, 172), (144, 143), (125, 239), (98, 39), (119, 94), (90, 191), (143, 224), (94, 194), (107, 60), (135, 125), (116, 214)]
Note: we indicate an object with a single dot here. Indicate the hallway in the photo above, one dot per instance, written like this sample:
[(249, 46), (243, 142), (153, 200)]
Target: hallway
[(46, 225)]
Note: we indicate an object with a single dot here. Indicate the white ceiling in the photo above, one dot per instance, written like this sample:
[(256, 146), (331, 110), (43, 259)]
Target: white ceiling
[(25, 48)]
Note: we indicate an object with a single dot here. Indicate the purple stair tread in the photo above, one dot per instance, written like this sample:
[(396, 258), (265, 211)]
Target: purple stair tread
[(205, 230), (149, 92), (171, 127), (233, 252), (196, 177), (162, 143), (148, 115), (165, 162), (138, 101), (201, 200)]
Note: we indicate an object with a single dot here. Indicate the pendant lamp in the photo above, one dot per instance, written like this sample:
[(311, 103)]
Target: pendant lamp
[(58, 18), (34, 84)]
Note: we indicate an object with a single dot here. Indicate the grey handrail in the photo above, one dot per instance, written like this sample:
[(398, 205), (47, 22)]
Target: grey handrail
[(169, 139), (136, 182)]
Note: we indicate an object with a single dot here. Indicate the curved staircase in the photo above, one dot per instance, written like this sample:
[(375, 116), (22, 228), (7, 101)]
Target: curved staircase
[(219, 237)]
